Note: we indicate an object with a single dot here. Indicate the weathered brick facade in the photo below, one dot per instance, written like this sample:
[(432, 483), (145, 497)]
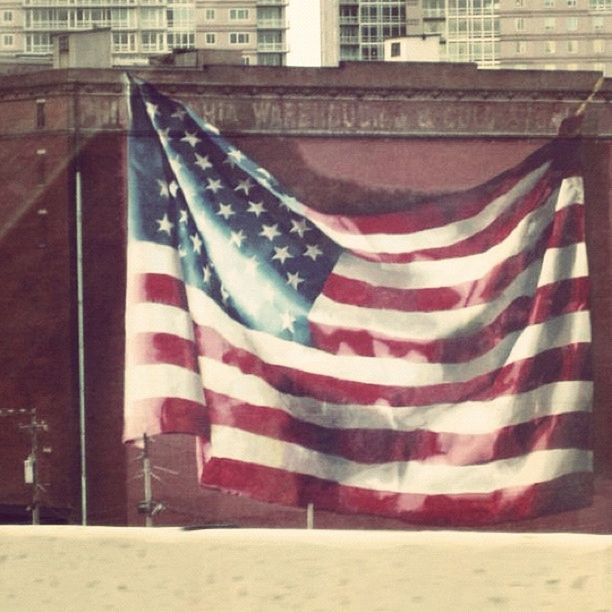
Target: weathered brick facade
[(356, 137)]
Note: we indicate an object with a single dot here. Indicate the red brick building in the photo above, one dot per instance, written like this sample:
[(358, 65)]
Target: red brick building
[(355, 134)]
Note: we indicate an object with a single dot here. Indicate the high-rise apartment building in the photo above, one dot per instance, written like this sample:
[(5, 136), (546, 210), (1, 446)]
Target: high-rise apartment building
[(365, 24), (556, 34), (265, 32), (139, 28)]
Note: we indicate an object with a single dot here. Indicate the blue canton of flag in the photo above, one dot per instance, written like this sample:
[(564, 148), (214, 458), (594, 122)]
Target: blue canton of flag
[(237, 231)]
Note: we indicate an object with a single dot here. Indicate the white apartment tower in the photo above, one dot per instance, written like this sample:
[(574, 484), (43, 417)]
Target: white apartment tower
[(139, 28), (556, 34), (365, 24)]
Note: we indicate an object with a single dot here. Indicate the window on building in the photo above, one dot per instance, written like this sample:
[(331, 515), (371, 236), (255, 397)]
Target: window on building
[(600, 5), (549, 47), (549, 24), (572, 24), (8, 40), (270, 59), (239, 14), (245, 60), (181, 40), (599, 45), (519, 3), (549, 3), (7, 16), (152, 41), (396, 49), (124, 42), (210, 14), (521, 47), (210, 38), (571, 3), (572, 46), (38, 43), (239, 38), (519, 24)]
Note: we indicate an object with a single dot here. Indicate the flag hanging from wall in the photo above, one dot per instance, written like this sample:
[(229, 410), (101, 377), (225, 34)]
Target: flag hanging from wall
[(430, 364)]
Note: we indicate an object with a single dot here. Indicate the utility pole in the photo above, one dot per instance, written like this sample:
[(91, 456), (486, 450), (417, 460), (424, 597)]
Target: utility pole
[(149, 507), (31, 463)]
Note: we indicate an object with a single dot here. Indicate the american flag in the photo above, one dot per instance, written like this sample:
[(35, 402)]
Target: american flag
[(431, 364)]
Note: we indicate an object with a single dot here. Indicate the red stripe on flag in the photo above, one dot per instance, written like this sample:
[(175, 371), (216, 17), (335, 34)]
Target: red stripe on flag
[(148, 348), (166, 415), (565, 363), (549, 301), (372, 446), (159, 288), (567, 229), (274, 485)]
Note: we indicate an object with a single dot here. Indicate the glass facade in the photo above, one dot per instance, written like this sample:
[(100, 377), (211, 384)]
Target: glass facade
[(365, 24)]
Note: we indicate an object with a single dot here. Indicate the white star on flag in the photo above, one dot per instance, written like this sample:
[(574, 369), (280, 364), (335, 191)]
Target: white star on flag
[(287, 321), (270, 231), (163, 188), (203, 162), (197, 243), (235, 154), (282, 254), (165, 225), (183, 218), (214, 185), (192, 139), (237, 238), (298, 227), (225, 211), (257, 208), (313, 251), (294, 280), (245, 186), (206, 274)]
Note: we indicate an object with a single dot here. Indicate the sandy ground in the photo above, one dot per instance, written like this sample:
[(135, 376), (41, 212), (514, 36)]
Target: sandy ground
[(137, 569)]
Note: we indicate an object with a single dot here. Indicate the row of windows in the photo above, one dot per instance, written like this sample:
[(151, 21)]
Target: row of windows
[(473, 27), (152, 41), (594, 5), (550, 23), (244, 38), (567, 46), (235, 38), (237, 14), (60, 19), (122, 41)]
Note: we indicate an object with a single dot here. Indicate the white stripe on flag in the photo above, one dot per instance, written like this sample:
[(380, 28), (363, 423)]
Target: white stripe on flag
[(432, 274), (474, 417), (162, 380), (572, 328), (400, 477)]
